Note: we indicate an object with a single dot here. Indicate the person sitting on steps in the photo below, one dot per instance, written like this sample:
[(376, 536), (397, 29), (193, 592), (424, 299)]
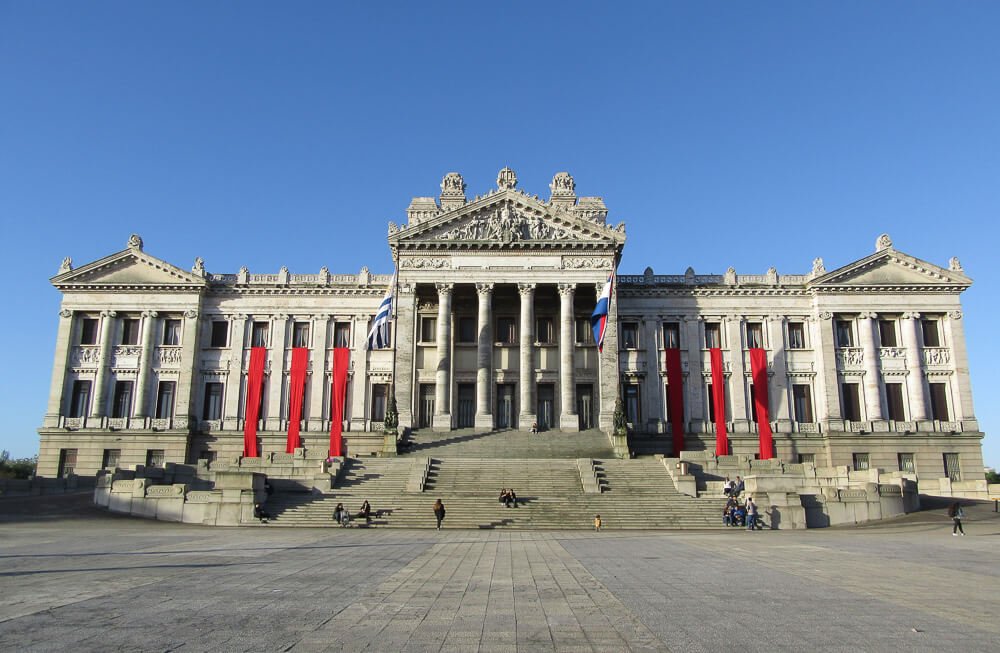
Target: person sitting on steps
[(534, 428)]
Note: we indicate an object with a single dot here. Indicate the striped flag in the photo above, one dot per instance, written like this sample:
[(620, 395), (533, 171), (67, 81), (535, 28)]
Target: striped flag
[(599, 318), (378, 337)]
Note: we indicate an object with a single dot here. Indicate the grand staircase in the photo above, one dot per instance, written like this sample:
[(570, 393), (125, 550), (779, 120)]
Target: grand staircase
[(466, 471)]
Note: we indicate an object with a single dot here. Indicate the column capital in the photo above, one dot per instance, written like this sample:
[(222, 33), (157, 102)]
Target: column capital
[(191, 314), (912, 315), (65, 313), (955, 315), (868, 315), (484, 288), (109, 314), (825, 315), (150, 314), (567, 289), (526, 288), (444, 288)]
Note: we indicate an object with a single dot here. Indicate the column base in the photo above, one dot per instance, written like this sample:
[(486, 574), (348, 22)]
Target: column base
[(441, 422), (569, 423), (484, 422), (525, 420)]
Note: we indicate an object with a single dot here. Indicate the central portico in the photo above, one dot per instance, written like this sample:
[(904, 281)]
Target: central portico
[(494, 300)]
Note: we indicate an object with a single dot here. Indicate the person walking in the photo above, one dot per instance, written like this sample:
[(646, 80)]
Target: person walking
[(751, 514), (439, 512), (956, 513)]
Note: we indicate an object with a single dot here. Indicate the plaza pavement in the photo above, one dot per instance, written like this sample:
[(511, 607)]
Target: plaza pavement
[(76, 579)]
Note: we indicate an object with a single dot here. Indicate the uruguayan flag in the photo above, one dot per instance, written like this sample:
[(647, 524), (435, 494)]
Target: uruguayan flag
[(378, 337), (599, 318)]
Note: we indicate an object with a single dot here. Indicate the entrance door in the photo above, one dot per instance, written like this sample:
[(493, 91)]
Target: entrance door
[(505, 405), (426, 405), (585, 405), (466, 405), (546, 406)]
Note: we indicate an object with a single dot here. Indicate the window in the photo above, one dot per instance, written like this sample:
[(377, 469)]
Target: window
[(755, 335), (850, 403), (860, 462), (428, 329), (88, 331), (939, 401), (380, 394), (80, 399), (932, 337), (951, 467), (894, 401), (121, 403), (342, 334), (130, 331), (887, 333), (584, 332), (506, 331), (110, 458), (67, 462), (630, 335), (220, 333), (171, 331), (807, 459), (906, 462), (300, 334), (466, 330), (631, 394), (165, 399), (212, 409), (713, 335), (845, 337), (258, 334), (802, 400), (155, 458), (544, 332), (671, 335), (796, 335), (711, 402)]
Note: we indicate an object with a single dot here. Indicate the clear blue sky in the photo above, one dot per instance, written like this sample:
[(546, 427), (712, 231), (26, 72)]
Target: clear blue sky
[(270, 134)]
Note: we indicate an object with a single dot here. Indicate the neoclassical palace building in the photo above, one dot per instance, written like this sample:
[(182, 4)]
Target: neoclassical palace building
[(864, 366)]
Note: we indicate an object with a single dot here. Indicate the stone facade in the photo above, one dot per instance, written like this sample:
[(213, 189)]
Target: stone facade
[(867, 364)]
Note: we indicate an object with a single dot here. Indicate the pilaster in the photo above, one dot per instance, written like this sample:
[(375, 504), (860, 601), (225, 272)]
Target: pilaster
[(962, 389), (827, 389), (141, 408), (914, 366), (357, 384), (317, 376), (64, 344), (403, 342), (98, 408), (234, 380), (276, 377), (779, 365), (695, 380), (185, 381), (738, 379), (868, 334)]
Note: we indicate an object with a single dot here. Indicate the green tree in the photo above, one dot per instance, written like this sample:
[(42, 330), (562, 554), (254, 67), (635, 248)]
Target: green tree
[(17, 468), (992, 477)]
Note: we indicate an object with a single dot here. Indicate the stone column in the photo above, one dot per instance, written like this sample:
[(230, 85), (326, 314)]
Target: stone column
[(140, 410), (357, 382), (775, 325), (527, 365), (442, 378), (868, 333), (914, 366), (568, 419), (64, 346), (317, 378), (695, 376), (608, 372), (275, 380), (97, 409), (962, 396), (234, 380), (738, 379), (484, 358), (404, 346), (189, 368), (827, 390)]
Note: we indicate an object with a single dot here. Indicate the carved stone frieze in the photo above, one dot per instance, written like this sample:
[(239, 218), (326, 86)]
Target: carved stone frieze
[(86, 355), (168, 355), (937, 356), (425, 263), (505, 224), (586, 263), (850, 357)]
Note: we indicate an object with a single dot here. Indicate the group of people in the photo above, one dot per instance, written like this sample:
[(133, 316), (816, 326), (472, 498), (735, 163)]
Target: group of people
[(342, 516), (736, 514), (733, 489), (508, 498)]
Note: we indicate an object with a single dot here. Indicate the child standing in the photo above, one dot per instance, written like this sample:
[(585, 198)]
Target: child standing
[(597, 522)]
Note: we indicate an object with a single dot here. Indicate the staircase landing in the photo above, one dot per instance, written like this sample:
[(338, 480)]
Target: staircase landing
[(466, 443)]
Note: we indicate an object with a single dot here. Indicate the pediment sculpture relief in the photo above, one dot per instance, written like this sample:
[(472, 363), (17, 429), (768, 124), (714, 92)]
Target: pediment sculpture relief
[(506, 225)]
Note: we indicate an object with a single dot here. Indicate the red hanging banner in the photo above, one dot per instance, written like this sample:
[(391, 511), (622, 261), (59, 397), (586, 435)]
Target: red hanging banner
[(719, 403), (251, 410), (758, 370), (675, 397), (341, 361), (296, 390)]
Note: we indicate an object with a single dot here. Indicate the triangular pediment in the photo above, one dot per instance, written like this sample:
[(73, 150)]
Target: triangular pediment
[(128, 268), (889, 268), (508, 217)]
